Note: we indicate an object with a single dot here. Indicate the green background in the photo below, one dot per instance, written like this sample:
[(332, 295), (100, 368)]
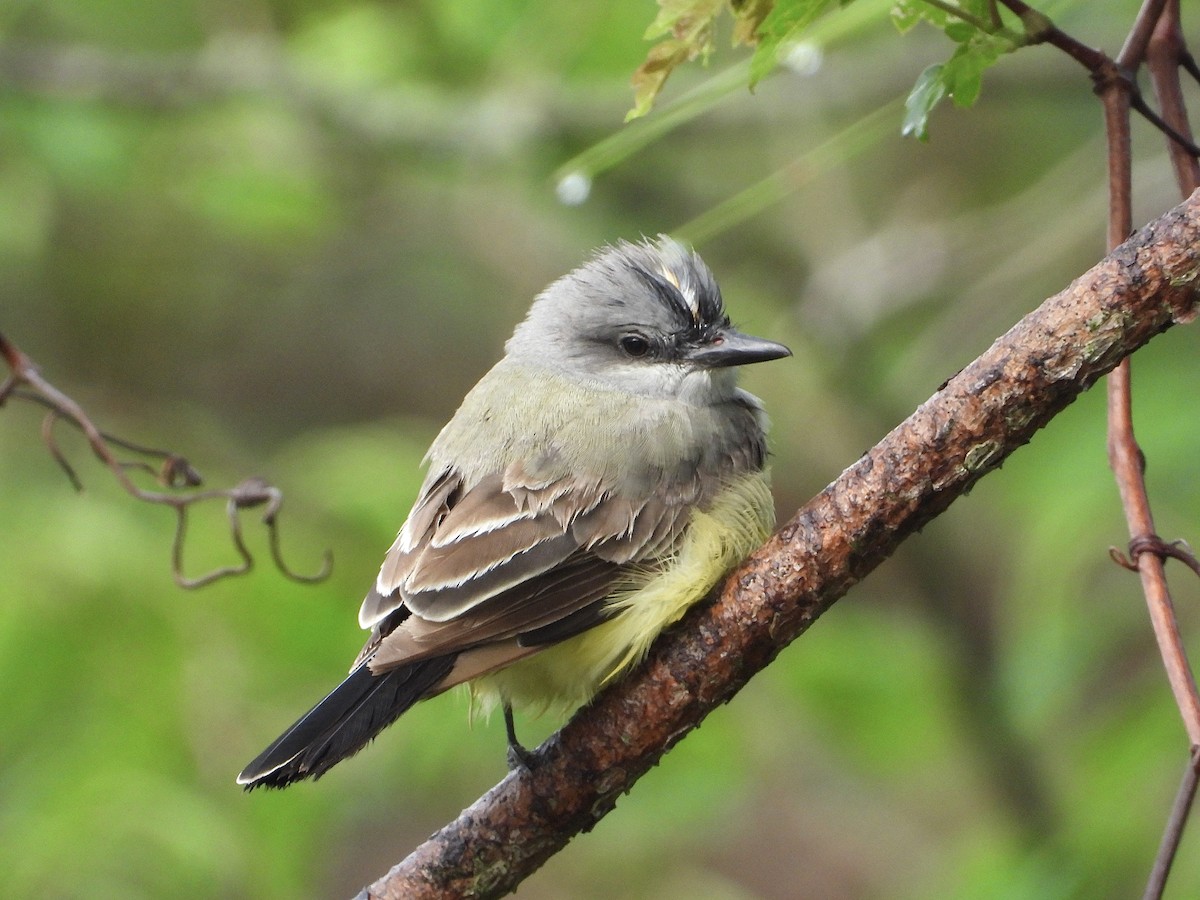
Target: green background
[(284, 238)]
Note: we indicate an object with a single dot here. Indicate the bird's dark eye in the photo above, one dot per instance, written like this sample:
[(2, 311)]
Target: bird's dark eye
[(634, 345)]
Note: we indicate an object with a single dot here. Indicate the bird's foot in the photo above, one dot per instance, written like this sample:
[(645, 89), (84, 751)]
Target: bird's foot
[(519, 759)]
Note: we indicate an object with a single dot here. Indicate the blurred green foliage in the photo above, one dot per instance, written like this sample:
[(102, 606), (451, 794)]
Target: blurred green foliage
[(284, 238)]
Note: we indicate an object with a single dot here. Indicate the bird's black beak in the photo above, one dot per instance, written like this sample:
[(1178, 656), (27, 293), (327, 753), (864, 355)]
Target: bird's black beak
[(729, 347)]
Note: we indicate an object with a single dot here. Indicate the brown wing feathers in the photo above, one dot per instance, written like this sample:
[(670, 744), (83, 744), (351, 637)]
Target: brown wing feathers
[(503, 560), (504, 566), (534, 604)]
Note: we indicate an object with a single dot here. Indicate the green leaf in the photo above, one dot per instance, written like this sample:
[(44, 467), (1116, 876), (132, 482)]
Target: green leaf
[(980, 9), (927, 93), (905, 16), (663, 58), (963, 72), (783, 26), (690, 26), (907, 13), (748, 16), (960, 32), (688, 20), (960, 78)]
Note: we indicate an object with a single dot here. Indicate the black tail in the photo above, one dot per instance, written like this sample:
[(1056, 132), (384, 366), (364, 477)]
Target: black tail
[(344, 722)]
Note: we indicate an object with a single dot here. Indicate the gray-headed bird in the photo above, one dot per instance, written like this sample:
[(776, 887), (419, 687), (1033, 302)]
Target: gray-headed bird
[(597, 482)]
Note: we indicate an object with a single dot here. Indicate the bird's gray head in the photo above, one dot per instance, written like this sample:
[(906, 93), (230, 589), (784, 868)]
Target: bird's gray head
[(645, 318)]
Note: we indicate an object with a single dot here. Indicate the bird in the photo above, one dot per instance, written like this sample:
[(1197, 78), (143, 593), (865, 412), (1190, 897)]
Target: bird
[(597, 482)]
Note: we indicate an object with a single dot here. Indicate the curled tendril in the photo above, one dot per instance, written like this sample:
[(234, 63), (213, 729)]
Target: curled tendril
[(170, 470), (1152, 543)]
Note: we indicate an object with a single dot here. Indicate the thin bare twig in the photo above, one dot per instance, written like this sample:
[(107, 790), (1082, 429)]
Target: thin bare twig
[(1133, 51), (1188, 63), (1165, 53), (1155, 37), (1041, 30), (1179, 140), (1126, 460), (1106, 71), (174, 472), (1116, 85), (1173, 833), (1125, 456)]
